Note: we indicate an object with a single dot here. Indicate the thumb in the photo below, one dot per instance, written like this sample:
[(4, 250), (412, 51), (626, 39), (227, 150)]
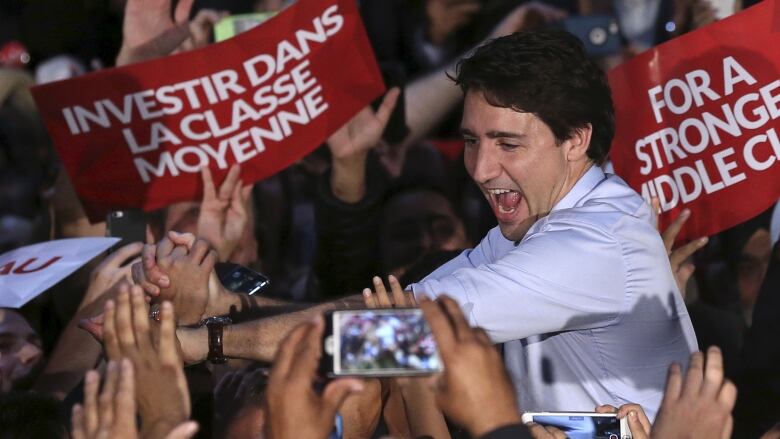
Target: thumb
[(336, 392), (636, 427), (93, 325), (184, 430)]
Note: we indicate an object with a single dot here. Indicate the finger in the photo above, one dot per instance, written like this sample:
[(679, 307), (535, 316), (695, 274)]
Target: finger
[(694, 376), (670, 234), (411, 299), (683, 274), (728, 395), (335, 393), (139, 278), (238, 200), (308, 354), (199, 250), (680, 254), (286, 352), (94, 325), (655, 204), (209, 192), (106, 399), (369, 299), (638, 429), (124, 324), (673, 383), (120, 256), (459, 323), (140, 321), (210, 260), (397, 292), (557, 434), (381, 294), (185, 430), (482, 336), (182, 12), (110, 340), (149, 257), (124, 404), (387, 106), (169, 353), (440, 326), (713, 372), (91, 383), (230, 183), (606, 408), (77, 423), (182, 239)]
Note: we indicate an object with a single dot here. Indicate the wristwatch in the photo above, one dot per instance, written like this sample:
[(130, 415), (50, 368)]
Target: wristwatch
[(214, 326)]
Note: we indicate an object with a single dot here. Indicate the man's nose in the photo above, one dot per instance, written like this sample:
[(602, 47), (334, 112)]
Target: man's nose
[(29, 354), (487, 165)]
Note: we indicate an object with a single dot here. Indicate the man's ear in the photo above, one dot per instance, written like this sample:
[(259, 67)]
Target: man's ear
[(577, 144)]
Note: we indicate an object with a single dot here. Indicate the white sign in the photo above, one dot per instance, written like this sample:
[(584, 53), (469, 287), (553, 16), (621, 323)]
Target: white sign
[(27, 272)]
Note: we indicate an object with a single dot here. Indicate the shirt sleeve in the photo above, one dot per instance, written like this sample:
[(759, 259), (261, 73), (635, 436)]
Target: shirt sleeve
[(568, 276)]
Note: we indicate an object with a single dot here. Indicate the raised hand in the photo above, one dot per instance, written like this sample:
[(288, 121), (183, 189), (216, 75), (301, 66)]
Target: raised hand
[(149, 31), (162, 395), (447, 16), (112, 413), (180, 268), (114, 269), (528, 16), (297, 410), (364, 130), (224, 213), (699, 404), (474, 390)]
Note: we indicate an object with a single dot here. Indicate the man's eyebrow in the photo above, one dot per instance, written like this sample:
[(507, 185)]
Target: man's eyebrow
[(506, 134), (467, 132)]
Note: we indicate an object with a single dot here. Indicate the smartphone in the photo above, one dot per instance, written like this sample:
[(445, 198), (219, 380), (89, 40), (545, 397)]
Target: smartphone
[(129, 225), (240, 279), (233, 25), (583, 425), (599, 33), (378, 343)]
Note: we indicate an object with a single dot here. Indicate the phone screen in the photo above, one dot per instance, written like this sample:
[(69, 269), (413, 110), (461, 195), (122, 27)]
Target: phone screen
[(583, 427), (240, 279), (383, 342)]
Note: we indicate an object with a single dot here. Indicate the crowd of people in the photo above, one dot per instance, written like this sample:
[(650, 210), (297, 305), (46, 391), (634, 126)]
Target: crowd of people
[(479, 186)]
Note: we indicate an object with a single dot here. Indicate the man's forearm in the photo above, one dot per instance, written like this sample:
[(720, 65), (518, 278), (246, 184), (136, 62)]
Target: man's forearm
[(256, 339)]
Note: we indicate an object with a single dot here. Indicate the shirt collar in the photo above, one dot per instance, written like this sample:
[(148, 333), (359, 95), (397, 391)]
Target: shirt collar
[(585, 184)]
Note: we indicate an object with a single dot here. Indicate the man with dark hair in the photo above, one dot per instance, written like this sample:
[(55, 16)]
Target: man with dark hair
[(575, 280)]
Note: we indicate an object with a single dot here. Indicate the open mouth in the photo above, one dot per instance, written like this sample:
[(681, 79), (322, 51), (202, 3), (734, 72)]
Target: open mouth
[(506, 203)]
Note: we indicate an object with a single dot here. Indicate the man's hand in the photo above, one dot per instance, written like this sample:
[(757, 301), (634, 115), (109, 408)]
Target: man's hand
[(539, 431), (682, 267), (474, 390), (180, 268), (162, 395), (364, 130), (297, 410), (380, 299), (447, 16), (112, 413), (224, 214), (638, 422), (698, 405)]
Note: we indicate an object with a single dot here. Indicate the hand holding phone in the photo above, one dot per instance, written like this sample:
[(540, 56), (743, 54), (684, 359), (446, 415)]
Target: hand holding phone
[(583, 425)]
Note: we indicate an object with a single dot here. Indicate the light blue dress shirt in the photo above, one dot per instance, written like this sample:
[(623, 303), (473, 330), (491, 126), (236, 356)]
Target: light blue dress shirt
[(586, 304)]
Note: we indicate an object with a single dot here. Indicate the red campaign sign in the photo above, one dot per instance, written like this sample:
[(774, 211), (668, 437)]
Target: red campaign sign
[(136, 136), (697, 122)]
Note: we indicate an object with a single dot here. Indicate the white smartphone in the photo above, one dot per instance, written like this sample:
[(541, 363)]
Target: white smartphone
[(583, 425), (378, 342)]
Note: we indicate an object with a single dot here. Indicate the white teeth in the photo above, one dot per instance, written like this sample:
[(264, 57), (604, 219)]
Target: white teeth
[(498, 191)]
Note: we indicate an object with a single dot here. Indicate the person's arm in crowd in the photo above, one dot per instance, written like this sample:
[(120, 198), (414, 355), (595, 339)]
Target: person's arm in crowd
[(162, 396), (224, 212), (76, 352), (149, 31), (111, 413)]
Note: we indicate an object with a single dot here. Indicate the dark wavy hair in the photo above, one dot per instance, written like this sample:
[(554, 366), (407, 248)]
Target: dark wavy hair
[(546, 73)]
